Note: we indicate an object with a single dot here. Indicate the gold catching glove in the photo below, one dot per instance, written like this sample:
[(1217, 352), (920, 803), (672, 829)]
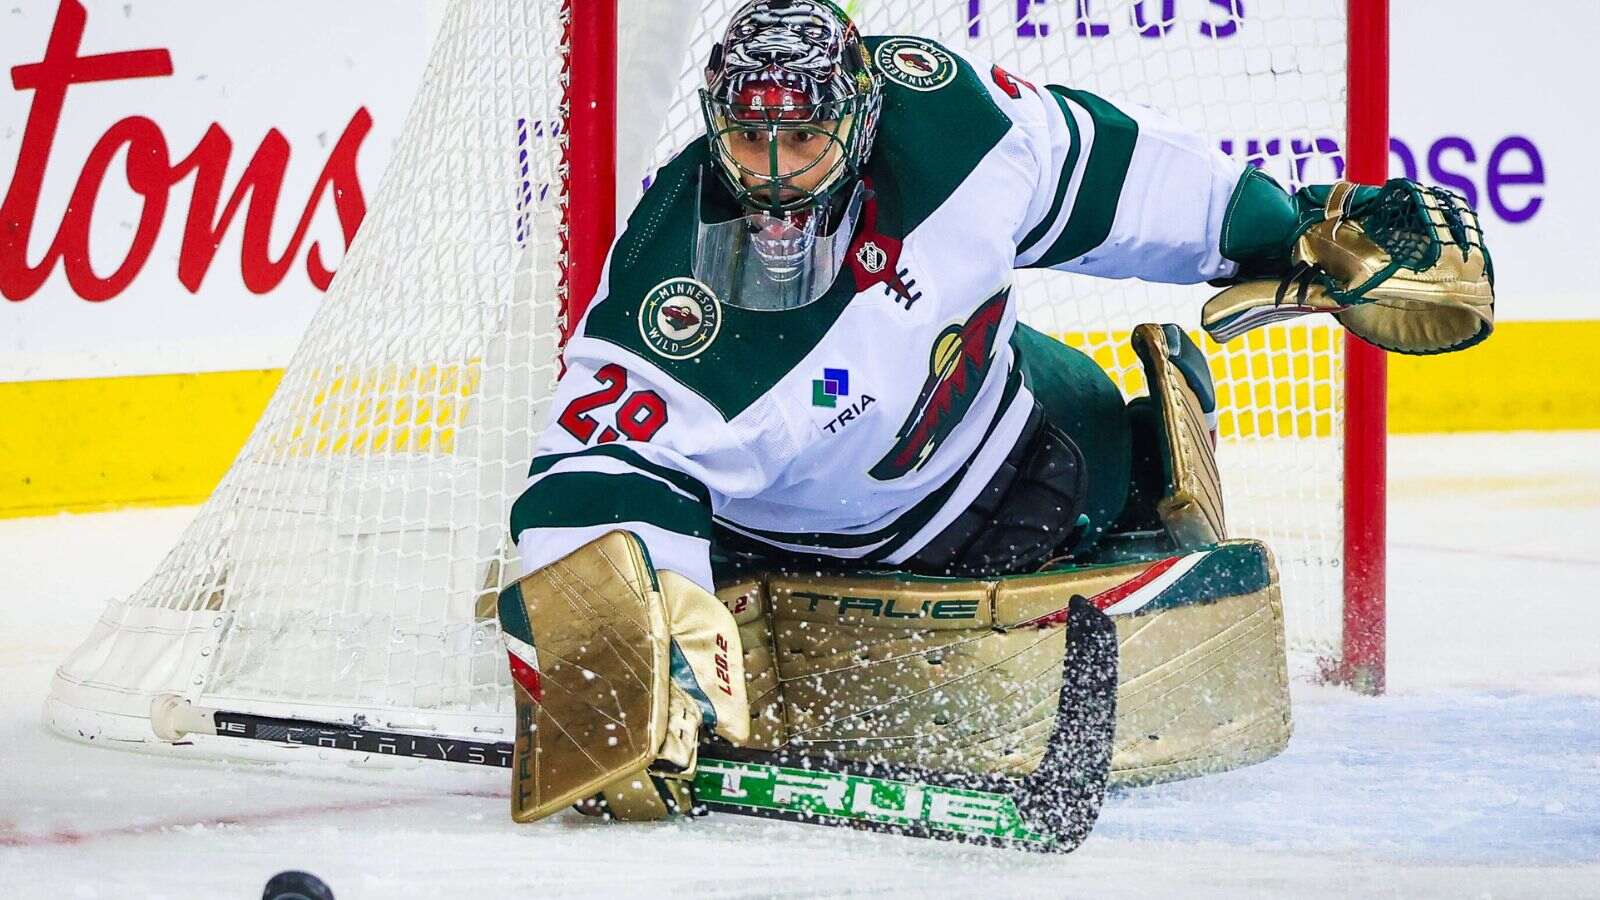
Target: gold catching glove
[(616, 668), (1402, 267)]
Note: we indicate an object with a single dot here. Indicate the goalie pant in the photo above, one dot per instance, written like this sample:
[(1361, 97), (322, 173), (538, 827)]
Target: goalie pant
[(860, 428)]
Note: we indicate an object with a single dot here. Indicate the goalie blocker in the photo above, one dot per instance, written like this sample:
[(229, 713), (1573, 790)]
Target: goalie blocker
[(891, 701)]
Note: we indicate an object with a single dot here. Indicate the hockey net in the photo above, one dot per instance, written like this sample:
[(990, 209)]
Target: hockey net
[(344, 569)]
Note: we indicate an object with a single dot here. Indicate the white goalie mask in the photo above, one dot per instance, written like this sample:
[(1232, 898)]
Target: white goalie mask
[(765, 261)]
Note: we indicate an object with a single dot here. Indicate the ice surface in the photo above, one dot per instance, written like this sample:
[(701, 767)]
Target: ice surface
[(1479, 774)]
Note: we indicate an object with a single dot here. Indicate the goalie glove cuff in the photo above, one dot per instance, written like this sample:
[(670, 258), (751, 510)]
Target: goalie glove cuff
[(1259, 227)]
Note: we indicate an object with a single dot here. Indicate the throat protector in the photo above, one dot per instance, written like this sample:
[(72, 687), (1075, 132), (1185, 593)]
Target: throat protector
[(769, 262)]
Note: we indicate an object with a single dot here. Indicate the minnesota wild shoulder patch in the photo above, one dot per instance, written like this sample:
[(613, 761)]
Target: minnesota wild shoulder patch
[(679, 318), (915, 63)]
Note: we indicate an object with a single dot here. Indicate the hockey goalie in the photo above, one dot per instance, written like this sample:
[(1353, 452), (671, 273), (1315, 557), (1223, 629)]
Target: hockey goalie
[(811, 495)]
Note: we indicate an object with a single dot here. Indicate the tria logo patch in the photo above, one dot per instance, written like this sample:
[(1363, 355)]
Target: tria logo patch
[(959, 364), (915, 63), (826, 391), (851, 413), (679, 318)]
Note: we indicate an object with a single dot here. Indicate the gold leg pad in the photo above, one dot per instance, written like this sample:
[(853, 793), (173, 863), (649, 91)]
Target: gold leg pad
[(862, 669), (599, 625), (1203, 688)]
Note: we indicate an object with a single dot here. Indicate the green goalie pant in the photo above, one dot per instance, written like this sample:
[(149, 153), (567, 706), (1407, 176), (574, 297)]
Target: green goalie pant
[(1082, 402)]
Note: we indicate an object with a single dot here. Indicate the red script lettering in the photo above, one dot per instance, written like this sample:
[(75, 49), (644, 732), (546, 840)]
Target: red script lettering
[(152, 175)]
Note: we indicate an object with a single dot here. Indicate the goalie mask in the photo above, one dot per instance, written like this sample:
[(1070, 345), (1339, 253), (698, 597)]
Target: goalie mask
[(791, 105)]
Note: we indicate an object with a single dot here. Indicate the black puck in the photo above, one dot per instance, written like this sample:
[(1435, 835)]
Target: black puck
[(296, 886)]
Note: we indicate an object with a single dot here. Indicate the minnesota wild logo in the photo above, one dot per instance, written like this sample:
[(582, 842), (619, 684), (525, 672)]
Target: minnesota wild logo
[(679, 318), (915, 63), (959, 363)]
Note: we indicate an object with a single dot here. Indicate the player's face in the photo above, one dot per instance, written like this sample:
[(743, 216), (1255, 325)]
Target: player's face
[(804, 158)]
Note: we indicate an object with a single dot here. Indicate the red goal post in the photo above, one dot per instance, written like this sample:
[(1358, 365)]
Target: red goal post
[(1366, 375)]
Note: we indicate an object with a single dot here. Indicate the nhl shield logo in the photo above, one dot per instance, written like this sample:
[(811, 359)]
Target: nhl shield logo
[(872, 257), (915, 63), (679, 318)]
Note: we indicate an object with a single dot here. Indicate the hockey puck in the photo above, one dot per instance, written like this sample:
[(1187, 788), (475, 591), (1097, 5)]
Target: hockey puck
[(296, 886)]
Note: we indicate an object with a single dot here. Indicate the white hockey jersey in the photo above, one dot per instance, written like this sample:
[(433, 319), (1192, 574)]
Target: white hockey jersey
[(859, 426)]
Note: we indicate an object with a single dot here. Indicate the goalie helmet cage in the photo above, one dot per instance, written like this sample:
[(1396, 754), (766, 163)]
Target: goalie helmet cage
[(345, 568)]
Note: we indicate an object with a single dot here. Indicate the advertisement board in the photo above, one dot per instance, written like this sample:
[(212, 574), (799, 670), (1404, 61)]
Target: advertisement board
[(182, 180)]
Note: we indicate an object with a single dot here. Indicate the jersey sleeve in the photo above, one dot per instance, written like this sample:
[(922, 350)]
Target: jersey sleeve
[(628, 448), (1120, 191)]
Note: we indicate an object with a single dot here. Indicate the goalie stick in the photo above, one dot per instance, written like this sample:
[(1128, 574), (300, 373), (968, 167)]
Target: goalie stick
[(1052, 809)]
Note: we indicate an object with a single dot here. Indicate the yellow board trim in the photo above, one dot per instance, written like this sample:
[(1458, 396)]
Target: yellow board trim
[(1528, 376), (1283, 369), (106, 443), (357, 412)]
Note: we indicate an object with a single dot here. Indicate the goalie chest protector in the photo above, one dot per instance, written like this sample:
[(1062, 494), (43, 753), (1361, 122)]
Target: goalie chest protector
[(891, 399)]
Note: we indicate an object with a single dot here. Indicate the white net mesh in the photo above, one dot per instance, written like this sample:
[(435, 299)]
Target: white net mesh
[(344, 565)]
